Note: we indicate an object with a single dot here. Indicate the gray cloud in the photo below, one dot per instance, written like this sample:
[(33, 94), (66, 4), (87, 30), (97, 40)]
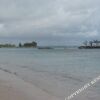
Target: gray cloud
[(50, 21)]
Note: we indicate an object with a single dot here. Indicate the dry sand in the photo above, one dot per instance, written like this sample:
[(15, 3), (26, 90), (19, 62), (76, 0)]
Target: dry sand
[(14, 88)]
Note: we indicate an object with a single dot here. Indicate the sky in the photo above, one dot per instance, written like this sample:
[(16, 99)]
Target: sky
[(49, 22)]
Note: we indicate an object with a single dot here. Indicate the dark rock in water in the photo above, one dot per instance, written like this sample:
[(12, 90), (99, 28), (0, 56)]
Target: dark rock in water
[(45, 48)]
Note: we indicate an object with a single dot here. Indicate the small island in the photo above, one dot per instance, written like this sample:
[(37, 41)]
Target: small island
[(95, 44), (25, 45)]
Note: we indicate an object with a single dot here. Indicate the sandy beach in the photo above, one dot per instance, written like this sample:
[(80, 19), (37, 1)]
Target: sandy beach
[(30, 74), (14, 88)]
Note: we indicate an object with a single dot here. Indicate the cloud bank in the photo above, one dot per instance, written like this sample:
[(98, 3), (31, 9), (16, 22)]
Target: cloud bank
[(50, 21)]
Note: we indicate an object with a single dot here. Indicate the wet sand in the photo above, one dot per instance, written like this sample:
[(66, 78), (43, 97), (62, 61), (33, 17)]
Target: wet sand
[(14, 88)]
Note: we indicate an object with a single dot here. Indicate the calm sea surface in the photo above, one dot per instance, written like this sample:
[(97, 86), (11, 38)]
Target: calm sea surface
[(59, 72)]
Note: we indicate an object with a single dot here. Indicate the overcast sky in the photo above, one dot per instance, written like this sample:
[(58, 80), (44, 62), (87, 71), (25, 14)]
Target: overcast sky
[(49, 22)]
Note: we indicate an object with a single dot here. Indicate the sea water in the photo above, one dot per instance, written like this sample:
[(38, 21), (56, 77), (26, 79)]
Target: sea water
[(58, 71)]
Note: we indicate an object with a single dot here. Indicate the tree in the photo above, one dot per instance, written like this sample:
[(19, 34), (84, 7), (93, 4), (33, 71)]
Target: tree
[(20, 45), (32, 44)]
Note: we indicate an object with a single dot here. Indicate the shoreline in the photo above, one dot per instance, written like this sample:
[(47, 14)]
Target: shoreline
[(14, 88)]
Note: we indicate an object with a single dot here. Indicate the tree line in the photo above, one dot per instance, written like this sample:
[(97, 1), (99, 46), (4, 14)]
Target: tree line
[(32, 44)]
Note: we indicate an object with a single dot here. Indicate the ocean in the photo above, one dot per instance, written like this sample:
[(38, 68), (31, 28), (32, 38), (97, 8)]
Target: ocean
[(58, 71)]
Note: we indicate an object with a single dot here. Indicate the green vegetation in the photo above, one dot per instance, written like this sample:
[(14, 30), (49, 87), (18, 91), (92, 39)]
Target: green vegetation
[(7, 46), (28, 45), (25, 45), (20, 45)]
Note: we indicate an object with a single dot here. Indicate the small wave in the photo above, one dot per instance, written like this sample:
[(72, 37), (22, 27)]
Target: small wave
[(72, 78), (8, 71)]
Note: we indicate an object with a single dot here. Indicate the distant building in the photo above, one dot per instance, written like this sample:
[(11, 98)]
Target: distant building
[(91, 45)]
